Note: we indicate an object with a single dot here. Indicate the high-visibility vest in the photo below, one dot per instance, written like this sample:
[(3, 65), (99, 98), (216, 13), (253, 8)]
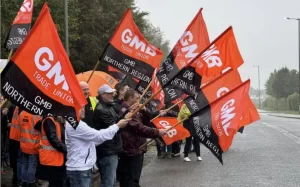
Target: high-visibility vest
[(15, 132), (30, 138), (48, 155), (93, 102)]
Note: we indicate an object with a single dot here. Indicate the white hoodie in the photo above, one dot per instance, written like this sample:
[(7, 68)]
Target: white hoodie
[(81, 145)]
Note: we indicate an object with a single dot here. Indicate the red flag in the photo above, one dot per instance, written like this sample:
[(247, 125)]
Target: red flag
[(20, 26), (194, 40), (155, 86), (250, 115), (221, 54), (130, 52), (218, 87), (173, 135), (40, 78), (216, 124)]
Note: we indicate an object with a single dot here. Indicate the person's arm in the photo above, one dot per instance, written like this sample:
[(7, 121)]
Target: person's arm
[(51, 134), (103, 117), (87, 133), (143, 130)]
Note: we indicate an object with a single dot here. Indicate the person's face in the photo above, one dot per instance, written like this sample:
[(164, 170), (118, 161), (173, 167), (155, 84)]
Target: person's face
[(134, 99), (108, 97), (82, 113), (86, 91), (123, 91)]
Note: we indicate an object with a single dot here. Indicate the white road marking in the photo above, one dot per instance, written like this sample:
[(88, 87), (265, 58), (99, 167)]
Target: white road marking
[(286, 133)]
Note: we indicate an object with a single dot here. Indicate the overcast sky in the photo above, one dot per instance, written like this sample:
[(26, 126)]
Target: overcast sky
[(264, 37)]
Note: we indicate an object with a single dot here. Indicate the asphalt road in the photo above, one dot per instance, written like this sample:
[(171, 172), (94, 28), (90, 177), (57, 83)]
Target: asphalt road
[(266, 154)]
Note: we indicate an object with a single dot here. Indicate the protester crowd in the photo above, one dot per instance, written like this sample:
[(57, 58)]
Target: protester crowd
[(108, 139)]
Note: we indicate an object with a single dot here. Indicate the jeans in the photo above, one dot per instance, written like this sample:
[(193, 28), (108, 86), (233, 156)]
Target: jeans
[(80, 178), (108, 169), (29, 168), (19, 164), (131, 169)]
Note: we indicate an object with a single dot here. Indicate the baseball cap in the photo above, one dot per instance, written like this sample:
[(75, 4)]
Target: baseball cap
[(105, 88)]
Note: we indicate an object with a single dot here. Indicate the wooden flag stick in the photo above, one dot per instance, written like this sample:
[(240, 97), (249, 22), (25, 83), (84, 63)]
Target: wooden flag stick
[(97, 64), (168, 109), (146, 90), (9, 55), (2, 104), (146, 102), (151, 141)]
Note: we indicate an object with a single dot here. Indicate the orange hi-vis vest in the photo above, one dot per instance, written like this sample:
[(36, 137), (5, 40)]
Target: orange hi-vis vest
[(49, 156), (15, 133), (30, 138)]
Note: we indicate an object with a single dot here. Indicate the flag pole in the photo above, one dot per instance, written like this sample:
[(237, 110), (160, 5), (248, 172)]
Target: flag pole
[(146, 90), (168, 109), (9, 55), (146, 102), (151, 141), (97, 64)]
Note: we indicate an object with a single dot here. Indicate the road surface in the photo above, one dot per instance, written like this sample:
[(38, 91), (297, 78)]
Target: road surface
[(266, 154)]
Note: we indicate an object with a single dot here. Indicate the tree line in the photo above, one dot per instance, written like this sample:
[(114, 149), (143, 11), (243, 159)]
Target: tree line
[(282, 86), (91, 24)]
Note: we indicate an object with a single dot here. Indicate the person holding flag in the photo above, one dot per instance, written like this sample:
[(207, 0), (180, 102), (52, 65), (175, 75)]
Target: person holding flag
[(184, 113), (119, 97), (82, 151), (107, 153), (133, 136)]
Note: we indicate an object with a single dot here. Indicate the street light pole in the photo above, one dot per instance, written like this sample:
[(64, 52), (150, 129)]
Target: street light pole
[(66, 27), (299, 62), (259, 103), (297, 19)]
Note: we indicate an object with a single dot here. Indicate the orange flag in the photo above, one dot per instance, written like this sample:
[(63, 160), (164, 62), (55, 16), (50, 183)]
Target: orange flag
[(155, 87), (20, 26), (173, 135), (130, 52), (194, 40), (39, 78), (221, 54), (250, 115), (218, 87), (216, 124)]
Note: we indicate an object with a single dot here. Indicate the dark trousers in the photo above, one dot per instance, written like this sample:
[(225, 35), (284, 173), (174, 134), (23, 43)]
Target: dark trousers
[(176, 147), (55, 175), (14, 147), (188, 144), (158, 148), (56, 183), (131, 169)]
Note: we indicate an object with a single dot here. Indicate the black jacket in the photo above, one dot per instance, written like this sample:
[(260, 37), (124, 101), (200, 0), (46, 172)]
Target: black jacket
[(117, 105), (105, 116), (50, 131)]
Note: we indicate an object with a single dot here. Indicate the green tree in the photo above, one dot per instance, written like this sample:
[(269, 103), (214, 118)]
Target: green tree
[(269, 83), (282, 83), (91, 24)]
